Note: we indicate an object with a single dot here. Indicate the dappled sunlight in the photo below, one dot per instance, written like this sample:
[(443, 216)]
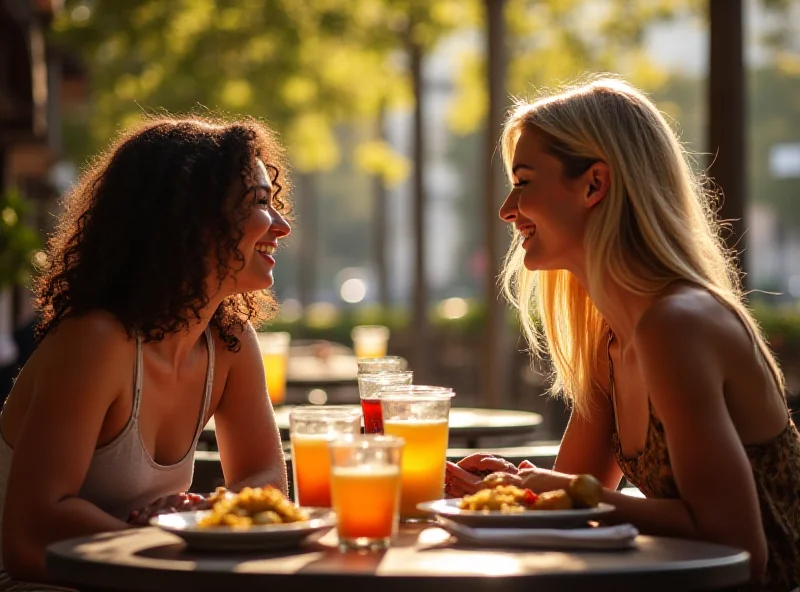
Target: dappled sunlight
[(281, 564)]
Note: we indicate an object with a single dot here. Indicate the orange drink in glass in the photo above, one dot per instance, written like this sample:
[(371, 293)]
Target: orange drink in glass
[(421, 419), (365, 488), (311, 428), (275, 355)]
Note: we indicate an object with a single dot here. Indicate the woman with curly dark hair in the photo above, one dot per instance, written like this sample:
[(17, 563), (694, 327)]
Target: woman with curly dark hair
[(160, 261)]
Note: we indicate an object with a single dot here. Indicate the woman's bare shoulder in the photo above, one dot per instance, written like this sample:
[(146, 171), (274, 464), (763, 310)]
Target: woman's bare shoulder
[(96, 334), (691, 311)]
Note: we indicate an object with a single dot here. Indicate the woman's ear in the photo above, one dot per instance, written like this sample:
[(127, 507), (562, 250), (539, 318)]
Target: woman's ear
[(598, 181)]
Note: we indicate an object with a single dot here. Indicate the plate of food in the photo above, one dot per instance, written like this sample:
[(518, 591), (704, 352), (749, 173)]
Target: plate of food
[(253, 519), (507, 506)]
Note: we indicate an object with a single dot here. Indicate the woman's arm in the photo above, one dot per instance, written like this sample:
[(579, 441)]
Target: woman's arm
[(247, 436), (586, 446), (680, 358), (681, 352), (78, 373)]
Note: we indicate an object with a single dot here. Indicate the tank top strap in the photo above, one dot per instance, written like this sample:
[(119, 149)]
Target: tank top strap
[(137, 378), (209, 383)]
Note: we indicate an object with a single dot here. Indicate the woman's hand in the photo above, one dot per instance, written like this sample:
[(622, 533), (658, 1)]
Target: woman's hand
[(179, 502), (464, 478), (459, 482), (483, 463), (537, 480)]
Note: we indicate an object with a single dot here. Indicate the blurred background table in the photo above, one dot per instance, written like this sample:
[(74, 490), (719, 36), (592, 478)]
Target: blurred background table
[(321, 372), (150, 559), (469, 427)]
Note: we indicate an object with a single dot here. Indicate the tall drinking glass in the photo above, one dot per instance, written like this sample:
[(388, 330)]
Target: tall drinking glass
[(422, 421), (370, 341), (275, 354), (384, 364), (369, 385), (365, 488), (311, 428)]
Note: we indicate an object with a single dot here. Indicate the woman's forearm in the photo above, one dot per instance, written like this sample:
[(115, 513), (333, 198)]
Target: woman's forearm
[(662, 517), (26, 539), (275, 476)]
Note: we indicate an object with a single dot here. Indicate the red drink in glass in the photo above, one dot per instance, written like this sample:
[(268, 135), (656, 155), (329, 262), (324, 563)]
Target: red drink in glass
[(373, 417)]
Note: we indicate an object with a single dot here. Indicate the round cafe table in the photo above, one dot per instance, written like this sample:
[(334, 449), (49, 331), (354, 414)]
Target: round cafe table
[(467, 424), (150, 559)]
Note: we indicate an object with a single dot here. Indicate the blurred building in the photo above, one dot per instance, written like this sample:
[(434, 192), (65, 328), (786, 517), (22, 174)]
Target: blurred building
[(35, 79)]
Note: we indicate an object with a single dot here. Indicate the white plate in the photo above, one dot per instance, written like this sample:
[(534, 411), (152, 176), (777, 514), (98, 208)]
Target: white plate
[(527, 519), (261, 537)]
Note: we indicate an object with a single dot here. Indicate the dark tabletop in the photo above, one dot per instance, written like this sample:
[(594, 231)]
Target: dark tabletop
[(150, 559)]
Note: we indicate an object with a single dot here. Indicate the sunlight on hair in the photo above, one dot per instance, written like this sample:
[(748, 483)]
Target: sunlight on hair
[(670, 231)]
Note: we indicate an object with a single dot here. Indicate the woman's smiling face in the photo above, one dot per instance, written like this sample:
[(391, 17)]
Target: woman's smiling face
[(262, 228), (548, 210)]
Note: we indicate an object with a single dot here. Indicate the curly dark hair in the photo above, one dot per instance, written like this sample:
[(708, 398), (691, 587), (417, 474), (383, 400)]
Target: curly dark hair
[(135, 233)]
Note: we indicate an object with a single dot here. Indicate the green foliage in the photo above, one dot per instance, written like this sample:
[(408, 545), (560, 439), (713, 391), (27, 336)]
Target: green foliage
[(781, 325), (559, 41), (303, 65), (17, 241)]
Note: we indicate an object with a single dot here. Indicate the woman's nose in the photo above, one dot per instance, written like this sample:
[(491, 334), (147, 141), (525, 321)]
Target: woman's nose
[(508, 211), (280, 227)]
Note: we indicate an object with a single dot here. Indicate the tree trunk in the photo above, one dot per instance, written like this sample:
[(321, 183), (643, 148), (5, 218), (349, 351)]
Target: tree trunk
[(494, 356), (727, 116), (420, 327), (379, 225)]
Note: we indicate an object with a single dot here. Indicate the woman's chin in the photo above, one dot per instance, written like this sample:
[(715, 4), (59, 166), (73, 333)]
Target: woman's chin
[(538, 263), (533, 263)]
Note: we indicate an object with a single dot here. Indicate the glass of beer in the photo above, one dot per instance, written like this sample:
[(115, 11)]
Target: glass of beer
[(311, 428), (275, 355), (421, 419), (365, 488), (370, 341), (369, 385)]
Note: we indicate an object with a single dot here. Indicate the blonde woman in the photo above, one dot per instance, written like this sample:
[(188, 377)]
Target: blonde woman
[(617, 252)]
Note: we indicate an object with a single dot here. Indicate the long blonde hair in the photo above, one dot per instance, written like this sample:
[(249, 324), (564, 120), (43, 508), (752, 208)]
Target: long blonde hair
[(656, 225)]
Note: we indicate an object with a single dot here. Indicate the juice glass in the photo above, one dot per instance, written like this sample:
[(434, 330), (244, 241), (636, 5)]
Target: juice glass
[(275, 355), (311, 428), (370, 341), (365, 488), (422, 421), (369, 385)]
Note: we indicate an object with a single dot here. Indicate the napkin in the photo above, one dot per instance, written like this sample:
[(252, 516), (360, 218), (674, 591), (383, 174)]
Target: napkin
[(620, 536)]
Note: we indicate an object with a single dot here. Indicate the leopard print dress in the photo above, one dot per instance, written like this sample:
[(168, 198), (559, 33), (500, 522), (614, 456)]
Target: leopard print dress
[(776, 470)]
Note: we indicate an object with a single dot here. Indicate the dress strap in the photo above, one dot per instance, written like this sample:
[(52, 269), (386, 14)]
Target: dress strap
[(209, 383), (611, 388), (137, 380)]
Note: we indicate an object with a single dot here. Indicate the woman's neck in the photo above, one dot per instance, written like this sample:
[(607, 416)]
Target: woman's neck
[(620, 307), (176, 348)]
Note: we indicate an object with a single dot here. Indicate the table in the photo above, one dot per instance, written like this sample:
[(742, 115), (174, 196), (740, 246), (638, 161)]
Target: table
[(466, 423), (150, 559)]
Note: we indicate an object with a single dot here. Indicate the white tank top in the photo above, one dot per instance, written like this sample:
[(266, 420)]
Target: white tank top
[(122, 475)]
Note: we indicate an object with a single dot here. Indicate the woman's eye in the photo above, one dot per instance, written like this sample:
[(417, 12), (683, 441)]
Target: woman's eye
[(264, 200), (520, 183)]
